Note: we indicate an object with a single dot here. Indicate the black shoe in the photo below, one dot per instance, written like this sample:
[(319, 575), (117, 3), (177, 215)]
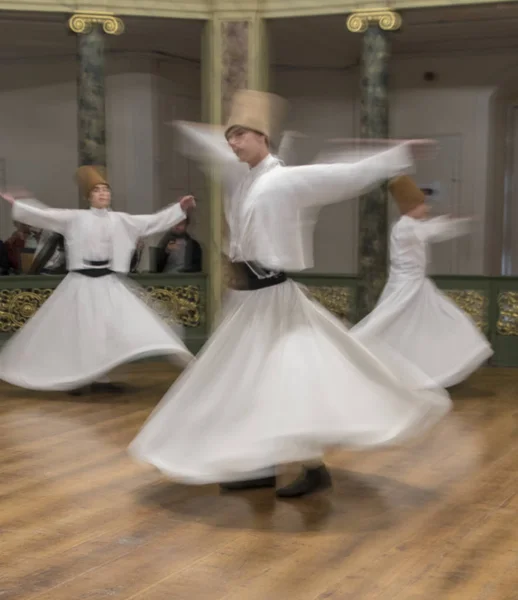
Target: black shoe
[(249, 484), (309, 481), (79, 391), (107, 388)]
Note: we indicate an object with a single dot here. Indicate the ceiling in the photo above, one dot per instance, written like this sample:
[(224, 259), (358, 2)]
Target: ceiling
[(321, 41), (26, 36), (324, 41)]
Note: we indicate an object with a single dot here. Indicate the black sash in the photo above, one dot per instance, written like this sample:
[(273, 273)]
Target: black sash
[(252, 277), (98, 268)]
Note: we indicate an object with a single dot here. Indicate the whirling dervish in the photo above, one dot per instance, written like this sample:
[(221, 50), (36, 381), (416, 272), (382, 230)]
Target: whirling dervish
[(412, 316), (281, 379), (93, 321)]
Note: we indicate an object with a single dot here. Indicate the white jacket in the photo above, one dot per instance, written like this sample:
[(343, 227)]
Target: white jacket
[(74, 225)]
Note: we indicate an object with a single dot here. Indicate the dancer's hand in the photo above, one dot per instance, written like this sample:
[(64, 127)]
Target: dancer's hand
[(7, 197), (15, 194), (187, 203)]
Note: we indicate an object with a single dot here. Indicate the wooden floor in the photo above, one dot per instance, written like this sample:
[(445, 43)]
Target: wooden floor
[(79, 520)]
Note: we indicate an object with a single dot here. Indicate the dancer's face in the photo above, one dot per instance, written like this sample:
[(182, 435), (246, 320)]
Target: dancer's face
[(100, 196), (249, 146), (420, 212)]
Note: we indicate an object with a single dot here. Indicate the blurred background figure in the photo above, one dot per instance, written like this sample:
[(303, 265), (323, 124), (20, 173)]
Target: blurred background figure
[(15, 245), (178, 251), (137, 256), (50, 256)]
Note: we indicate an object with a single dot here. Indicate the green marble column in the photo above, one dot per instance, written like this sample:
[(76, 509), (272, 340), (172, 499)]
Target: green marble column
[(373, 218), (91, 29), (91, 116)]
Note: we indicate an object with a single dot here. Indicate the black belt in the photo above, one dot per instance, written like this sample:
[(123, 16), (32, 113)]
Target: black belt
[(252, 277), (99, 268), (97, 263), (93, 272)]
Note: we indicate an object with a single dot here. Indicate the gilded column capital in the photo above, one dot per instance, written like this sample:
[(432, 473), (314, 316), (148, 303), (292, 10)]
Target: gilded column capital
[(84, 21), (385, 19)]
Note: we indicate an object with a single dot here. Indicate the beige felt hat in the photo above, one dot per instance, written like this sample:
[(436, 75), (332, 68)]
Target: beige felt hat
[(88, 176), (406, 193), (258, 111)]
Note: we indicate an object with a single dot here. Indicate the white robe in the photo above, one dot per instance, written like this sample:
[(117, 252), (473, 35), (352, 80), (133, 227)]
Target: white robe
[(89, 326), (281, 379), (414, 317)]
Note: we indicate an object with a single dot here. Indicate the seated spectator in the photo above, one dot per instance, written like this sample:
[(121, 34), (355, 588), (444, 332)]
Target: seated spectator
[(178, 252), (14, 246), (49, 257)]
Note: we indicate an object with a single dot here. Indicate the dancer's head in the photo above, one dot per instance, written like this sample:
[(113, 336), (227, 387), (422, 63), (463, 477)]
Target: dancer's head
[(408, 197), (253, 121), (93, 186), (248, 145)]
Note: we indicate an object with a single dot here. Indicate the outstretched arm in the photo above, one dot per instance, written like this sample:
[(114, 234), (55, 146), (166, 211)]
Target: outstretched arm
[(321, 184), (162, 220), (30, 211), (207, 145), (205, 142), (443, 228)]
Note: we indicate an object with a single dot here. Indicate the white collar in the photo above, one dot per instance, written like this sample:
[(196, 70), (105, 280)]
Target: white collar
[(266, 162), (100, 212)]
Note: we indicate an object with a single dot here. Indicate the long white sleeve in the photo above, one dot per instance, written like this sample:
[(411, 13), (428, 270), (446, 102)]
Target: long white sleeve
[(36, 214), (204, 142), (442, 228), (208, 146), (322, 184), (156, 222)]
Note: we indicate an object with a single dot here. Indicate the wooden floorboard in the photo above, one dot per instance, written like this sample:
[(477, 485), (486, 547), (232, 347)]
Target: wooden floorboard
[(79, 520)]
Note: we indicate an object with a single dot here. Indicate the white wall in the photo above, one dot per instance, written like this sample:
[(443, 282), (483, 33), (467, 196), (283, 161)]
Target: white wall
[(457, 104), (462, 113), (38, 125), (38, 132), (178, 96)]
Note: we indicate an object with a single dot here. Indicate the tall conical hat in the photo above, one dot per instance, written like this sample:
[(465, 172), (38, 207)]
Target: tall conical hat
[(406, 193), (88, 176), (257, 111)]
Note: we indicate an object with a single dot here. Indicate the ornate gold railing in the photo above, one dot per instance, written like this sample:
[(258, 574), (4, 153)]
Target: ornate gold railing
[(178, 299), (492, 303)]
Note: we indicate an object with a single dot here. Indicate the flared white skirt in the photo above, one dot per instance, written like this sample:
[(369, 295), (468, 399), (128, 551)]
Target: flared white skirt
[(280, 381), (86, 328), (417, 320)]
